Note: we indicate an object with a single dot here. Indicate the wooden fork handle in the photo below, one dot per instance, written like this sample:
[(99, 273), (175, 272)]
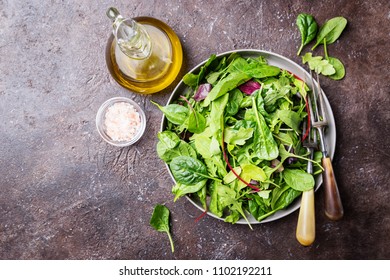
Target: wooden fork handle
[(306, 227), (333, 206)]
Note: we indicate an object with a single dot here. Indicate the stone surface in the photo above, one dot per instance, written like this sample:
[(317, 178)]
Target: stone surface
[(66, 194)]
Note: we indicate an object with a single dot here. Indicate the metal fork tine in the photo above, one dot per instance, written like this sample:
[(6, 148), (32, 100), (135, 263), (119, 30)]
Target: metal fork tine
[(314, 115), (321, 100)]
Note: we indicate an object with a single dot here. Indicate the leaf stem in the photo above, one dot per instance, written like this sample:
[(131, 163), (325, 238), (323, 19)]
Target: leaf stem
[(325, 50), (171, 241), (192, 108), (300, 49)]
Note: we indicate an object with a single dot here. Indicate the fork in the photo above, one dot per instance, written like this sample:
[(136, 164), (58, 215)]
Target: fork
[(306, 228), (333, 206)]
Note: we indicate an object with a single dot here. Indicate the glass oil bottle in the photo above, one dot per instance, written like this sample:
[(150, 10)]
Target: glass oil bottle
[(143, 54)]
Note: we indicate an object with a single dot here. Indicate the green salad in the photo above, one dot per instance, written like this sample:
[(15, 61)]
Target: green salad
[(233, 140)]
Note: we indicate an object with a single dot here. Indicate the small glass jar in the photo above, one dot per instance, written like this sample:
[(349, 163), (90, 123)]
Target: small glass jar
[(120, 121)]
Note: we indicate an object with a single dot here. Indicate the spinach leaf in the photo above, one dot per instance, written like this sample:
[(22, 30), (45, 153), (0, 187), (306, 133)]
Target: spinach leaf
[(308, 28), (284, 197), (183, 149), (254, 68), (168, 139), (207, 147), (170, 146), (175, 113), (338, 66), (188, 170), (196, 122), (331, 31), (235, 98), (298, 179), (160, 222)]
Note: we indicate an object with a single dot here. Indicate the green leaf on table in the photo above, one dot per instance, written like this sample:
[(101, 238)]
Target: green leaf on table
[(331, 31), (318, 64), (308, 28), (338, 66), (160, 221)]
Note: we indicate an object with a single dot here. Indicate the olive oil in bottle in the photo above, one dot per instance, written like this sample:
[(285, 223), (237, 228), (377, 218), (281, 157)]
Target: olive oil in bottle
[(143, 54)]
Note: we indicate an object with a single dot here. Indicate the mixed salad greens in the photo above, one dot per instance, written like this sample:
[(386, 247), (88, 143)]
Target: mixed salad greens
[(233, 139)]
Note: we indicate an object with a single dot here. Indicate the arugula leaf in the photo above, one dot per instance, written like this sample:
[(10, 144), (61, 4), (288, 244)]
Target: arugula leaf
[(224, 85), (227, 198), (290, 118), (318, 64), (265, 146), (160, 222)]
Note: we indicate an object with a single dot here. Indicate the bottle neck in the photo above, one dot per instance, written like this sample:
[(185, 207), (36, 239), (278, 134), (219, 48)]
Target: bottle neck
[(131, 37)]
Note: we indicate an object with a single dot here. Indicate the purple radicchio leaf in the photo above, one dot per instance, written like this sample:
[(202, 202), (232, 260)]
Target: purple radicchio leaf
[(202, 92), (249, 87)]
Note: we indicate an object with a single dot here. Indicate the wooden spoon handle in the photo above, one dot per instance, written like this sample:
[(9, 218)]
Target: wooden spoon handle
[(333, 206), (306, 228)]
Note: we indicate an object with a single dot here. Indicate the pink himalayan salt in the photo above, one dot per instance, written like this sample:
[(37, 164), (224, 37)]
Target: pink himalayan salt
[(122, 121)]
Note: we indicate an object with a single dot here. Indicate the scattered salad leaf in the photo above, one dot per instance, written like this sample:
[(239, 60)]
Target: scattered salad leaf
[(308, 28), (318, 64), (338, 66), (330, 31), (327, 34), (160, 222)]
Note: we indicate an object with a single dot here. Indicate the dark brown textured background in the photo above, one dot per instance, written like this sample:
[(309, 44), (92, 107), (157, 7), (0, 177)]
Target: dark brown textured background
[(66, 194)]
